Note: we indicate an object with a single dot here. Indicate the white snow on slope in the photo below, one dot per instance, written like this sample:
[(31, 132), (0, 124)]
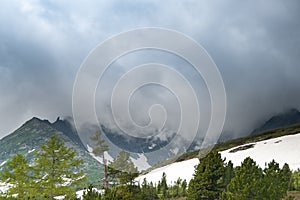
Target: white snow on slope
[(285, 149), (141, 162), (3, 163), (3, 187), (184, 170), (99, 159), (30, 151)]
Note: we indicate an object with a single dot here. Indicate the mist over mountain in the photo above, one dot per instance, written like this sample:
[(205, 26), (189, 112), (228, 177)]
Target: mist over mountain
[(287, 118), (254, 45)]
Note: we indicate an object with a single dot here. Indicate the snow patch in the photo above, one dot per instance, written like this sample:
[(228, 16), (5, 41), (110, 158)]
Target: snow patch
[(152, 146), (30, 151), (98, 158), (183, 170), (4, 187), (141, 162), (175, 151), (283, 150), (3, 163)]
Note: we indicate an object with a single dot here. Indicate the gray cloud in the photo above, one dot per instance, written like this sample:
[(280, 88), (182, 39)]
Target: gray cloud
[(255, 45)]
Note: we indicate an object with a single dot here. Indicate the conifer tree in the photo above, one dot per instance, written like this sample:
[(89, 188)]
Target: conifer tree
[(91, 194), (18, 173), (286, 177), (177, 187), (99, 148), (228, 174), (183, 188), (206, 185), (164, 186), (247, 182), (57, 170), (272, 182), (123, 169)]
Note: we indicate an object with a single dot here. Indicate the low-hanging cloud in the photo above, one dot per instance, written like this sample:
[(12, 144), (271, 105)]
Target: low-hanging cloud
[(255, 45)]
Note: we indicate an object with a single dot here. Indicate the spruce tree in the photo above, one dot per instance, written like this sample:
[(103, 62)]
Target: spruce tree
[(57, 170), (99, 148), (285, 175), (272, 182), (164, 186), (247, 182), (123, 169), (183, 188), (91, 194), (206, 184), (228, 174)]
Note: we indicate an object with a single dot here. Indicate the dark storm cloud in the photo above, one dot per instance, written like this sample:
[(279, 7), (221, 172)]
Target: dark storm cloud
[(255, 44)]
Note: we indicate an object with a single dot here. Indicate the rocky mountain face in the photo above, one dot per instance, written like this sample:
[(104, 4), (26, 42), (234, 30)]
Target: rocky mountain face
[(35, 132), (28, 138), (287, 118)]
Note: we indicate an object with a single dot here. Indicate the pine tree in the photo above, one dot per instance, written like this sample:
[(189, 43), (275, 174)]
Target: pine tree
[(148, 191), (18, 173), (206, 185), (164, 186), (56, 169), (183, 188), (123, 169), (177, 187), (99, 148), (285, 175), (145, 189), (229, 174), (271, 187), (247, 182), (91, 194)]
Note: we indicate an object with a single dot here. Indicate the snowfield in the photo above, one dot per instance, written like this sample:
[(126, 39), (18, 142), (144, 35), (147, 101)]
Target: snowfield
[(285, 149), (183, 170)]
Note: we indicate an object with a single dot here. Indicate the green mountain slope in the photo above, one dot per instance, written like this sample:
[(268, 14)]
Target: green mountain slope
[(28, 138)]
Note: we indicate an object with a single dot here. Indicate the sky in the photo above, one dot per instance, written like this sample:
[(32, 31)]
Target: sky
[(255, 45)]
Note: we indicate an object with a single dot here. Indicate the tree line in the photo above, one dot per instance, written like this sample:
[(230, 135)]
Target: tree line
[(55, 172)]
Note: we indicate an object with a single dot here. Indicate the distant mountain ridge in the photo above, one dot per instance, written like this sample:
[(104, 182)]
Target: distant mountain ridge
[(32, 134), (287, 118)]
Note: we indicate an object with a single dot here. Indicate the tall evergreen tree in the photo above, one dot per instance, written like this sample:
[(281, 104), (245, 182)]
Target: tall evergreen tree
[(18, 173), (123, 169), (57, 169), (206, 184), (272, 182), (228, 174), (99, 148), (286, 177), (164, 186), (247, 182), (183, 188)]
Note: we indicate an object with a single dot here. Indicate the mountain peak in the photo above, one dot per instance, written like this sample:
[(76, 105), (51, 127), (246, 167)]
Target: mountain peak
[(289, 117)]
